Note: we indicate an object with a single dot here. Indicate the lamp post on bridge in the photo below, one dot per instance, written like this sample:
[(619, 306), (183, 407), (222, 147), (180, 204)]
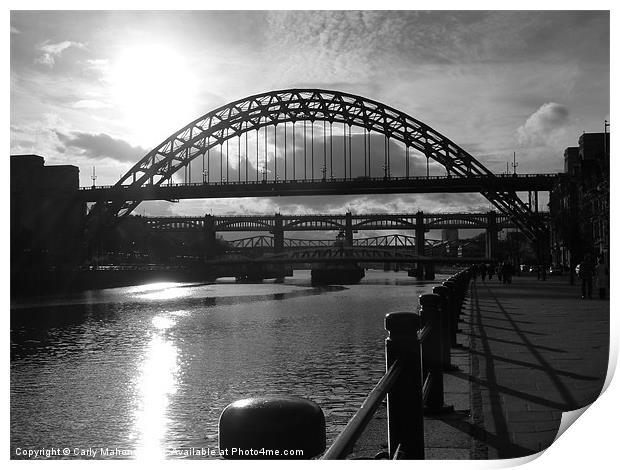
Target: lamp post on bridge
[(264, 172), (386, 171)]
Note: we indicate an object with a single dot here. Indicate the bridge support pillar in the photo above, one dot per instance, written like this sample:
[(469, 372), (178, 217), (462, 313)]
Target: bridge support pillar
[(419, 242), (278, 234), (491, 234), (348, 230), (209, 236)]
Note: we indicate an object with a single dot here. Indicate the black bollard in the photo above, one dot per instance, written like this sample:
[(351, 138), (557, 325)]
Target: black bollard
[(272, 427), (404, 400), (454, 314), (446, 324), (455, 285), (432, 352)]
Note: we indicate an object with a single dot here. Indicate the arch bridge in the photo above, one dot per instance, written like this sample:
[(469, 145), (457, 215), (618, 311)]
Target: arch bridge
[(325, 222), (265, 244), (310, 141), (347, 224)]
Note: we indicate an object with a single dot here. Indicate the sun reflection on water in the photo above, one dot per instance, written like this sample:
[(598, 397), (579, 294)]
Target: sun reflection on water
[(157, 382), (152, 287), (166, 294)]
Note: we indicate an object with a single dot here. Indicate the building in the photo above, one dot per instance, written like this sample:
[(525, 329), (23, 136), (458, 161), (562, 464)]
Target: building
[(579, 203), (450, 237), (46, 217)]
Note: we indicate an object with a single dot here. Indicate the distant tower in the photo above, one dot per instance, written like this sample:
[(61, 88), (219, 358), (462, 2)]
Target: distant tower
[(450, 235)]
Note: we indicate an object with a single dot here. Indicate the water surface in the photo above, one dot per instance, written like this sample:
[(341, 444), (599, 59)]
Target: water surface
[(149, 368)]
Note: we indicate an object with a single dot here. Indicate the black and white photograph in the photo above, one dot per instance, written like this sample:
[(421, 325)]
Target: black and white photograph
[(266, 234)]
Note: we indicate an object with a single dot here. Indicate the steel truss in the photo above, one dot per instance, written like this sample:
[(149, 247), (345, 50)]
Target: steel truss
[(333, 222), (275, 107)]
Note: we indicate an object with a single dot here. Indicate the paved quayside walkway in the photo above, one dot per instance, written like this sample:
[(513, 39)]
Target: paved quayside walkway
[(536, 349), (529, 350)]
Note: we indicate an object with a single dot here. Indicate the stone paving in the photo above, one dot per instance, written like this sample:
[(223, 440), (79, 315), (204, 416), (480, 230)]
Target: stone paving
[(537, 349), (529, 350)]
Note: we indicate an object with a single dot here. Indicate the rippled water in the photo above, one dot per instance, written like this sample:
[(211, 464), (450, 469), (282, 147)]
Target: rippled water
[(151, 367)]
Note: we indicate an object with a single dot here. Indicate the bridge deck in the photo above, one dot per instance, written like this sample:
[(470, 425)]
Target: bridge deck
[(333, 186), (308, 222)]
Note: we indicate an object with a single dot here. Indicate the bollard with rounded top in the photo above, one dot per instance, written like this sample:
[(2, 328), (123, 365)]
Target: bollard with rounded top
[(432, 352), (266, 427), (444, 309), (454, 312), (404, 400)]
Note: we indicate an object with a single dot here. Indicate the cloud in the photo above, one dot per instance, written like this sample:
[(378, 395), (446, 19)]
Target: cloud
[(101, 146), (101, 66), (359, 46), (367, 204), (542, 126), (90, 104), (52, 51)]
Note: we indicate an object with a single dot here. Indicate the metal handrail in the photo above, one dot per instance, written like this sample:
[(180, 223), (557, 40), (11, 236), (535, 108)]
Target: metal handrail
[(331, 180), (424, 333), (354, 428), (347, 438), (426, 388), (415, 345)]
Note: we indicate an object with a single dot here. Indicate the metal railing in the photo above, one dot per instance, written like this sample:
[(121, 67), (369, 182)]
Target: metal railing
[(417, 353), (358, 179)]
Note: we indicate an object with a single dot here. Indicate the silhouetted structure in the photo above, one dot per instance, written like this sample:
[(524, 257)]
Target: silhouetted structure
[(579, 203), (230, 125), (46, 219)]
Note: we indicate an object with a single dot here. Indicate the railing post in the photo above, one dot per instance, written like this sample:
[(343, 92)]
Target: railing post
[(405, 402), (432, 352), (446, 324), (459, 281), (454, 319)]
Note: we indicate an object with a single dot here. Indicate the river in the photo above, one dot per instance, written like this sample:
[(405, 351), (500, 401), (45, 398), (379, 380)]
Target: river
[(148, 369)]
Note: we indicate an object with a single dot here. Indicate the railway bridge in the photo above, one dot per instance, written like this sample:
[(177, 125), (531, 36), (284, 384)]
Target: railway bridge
[(345, 224)]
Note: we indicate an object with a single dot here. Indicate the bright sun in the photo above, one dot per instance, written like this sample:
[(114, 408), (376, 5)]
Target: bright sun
[(155, 89)]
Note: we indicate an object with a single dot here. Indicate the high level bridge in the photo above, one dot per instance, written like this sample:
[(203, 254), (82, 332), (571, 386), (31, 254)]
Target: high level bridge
[(310, 142), (347, 224)]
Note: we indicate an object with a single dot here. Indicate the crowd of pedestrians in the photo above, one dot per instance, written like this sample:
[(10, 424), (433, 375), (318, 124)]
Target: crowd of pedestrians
[(504, 271), (592, 275)]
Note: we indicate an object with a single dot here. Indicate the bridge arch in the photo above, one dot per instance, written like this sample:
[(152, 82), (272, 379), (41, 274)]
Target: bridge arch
[(295, 105), (399, 222), (325, 224), (175, 224), (474, 221), (232, 223)]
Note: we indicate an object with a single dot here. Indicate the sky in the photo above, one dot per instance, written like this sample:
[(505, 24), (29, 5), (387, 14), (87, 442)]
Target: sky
[(102, 88)]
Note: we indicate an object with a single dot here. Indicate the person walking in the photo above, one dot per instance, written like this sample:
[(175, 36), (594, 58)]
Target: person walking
[(602, 278), (585, 272), (483, 271), (507, 272)]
